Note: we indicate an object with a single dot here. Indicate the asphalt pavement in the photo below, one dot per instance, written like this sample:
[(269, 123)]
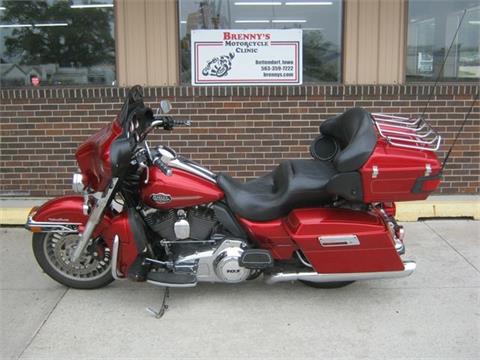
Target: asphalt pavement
[(433, 314)]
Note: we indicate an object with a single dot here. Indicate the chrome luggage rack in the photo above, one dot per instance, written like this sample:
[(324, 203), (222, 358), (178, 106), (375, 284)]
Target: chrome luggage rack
[(407, 132)]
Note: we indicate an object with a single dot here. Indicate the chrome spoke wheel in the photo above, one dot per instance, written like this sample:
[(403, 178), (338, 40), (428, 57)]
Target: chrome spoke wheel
[(94, 263)]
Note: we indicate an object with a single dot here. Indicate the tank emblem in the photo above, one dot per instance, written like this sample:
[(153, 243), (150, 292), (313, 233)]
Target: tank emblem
[(161, 198)]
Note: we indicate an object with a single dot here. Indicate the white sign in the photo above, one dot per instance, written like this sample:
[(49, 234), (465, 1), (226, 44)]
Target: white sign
[(247, 57)]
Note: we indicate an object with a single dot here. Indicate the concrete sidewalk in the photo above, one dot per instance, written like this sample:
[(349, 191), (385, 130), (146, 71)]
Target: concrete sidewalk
[(433, 314)]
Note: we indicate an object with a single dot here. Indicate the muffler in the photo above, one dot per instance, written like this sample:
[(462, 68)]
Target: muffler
[(409, 268)]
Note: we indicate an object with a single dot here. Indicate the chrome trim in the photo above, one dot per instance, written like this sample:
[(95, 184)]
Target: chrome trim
[(399, 246), (409, 268), (204, 173), (77, 183), (56, 227), (408, 133), (302, 260), (428, 169), (172, 285), (85, 206), (392, 118), (163, 263), (201, 168), (117, 275), (93, 221), (339, 240), (374, 172), (207, 261), (401, 232), (144, 167)]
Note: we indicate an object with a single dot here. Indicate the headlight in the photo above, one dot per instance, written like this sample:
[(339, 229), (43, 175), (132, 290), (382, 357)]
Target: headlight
[(77, 183)]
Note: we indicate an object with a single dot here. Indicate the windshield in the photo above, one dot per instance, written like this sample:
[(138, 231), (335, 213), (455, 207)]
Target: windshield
[(106, 153)]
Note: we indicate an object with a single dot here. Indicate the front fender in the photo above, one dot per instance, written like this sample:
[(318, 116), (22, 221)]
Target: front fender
[(63, 211)]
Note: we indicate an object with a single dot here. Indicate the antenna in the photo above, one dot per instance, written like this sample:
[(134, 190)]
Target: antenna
[(459, 132), (439, 75)]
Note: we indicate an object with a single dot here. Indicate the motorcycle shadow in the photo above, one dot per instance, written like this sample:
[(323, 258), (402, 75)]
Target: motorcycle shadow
[(256, 288)]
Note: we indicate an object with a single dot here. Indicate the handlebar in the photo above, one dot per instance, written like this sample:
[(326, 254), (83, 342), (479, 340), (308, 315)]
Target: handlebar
[(168, 123)]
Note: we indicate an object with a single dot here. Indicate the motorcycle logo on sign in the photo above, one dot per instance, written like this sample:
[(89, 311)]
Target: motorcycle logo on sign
[(246, 57), (161, 198), (219, 66)]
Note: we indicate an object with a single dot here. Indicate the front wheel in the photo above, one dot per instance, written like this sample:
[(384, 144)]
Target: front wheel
[(53, 251)]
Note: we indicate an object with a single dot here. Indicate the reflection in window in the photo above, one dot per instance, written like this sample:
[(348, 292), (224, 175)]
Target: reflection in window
[(320, 21), (56, 42), (431, 28)]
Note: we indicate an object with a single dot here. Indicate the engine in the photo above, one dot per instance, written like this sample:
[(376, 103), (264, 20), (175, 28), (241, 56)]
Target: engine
[(198, 245), (197, 223), (194, 238)]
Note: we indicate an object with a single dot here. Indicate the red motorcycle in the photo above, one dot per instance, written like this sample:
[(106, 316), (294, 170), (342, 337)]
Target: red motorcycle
[(149, 214)]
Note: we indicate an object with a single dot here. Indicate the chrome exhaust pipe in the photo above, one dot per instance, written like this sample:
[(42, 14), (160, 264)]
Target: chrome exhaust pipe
[(409, 268)]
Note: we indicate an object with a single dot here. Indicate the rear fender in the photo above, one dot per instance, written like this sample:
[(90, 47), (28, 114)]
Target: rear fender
[(63, 214)]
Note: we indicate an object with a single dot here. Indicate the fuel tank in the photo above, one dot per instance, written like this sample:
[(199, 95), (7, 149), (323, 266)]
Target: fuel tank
[(181, 189)]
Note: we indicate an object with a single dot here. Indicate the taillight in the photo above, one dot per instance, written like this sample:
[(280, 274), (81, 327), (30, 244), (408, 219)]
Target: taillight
[(430, 185), (426, 184)]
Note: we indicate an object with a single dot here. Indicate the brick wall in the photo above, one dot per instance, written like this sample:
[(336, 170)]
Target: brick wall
[(244, 131)]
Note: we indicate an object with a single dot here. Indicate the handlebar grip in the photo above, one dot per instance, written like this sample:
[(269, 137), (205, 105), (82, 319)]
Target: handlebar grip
[(162, 166), (182, 122)]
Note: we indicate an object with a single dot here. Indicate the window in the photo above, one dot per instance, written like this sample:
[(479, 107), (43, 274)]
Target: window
[(56, 42), (431, 28), (321, 22)]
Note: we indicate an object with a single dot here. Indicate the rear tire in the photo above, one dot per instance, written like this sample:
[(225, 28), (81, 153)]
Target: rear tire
[(52, 252), (327, 285)]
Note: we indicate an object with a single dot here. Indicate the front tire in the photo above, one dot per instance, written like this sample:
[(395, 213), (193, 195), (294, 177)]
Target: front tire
[(53, 250)]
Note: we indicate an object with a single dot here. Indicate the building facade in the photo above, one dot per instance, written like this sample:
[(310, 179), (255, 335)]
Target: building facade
[(65, 68)]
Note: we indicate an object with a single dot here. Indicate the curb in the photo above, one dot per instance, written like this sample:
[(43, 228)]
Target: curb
[(412, 211), (13, 216), (443, 207)]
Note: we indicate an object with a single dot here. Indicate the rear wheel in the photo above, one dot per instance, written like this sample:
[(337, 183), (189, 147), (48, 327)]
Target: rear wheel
[(327, 285), (53, 251)]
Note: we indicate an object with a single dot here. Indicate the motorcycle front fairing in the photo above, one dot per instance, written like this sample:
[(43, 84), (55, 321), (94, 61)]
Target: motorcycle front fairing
[(103, 158)]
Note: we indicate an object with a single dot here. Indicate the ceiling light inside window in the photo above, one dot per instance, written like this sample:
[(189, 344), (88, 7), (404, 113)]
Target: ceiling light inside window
[(317, 3), (91, 6), (289, 21), (261, 3), (50, 24), (252, 21), (15, 25)]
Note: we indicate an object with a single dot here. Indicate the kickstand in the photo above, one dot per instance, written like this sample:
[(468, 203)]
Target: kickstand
[(158, 314)]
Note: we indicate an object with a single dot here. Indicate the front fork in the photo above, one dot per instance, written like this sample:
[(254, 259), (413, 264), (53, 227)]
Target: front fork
[(93, 220)]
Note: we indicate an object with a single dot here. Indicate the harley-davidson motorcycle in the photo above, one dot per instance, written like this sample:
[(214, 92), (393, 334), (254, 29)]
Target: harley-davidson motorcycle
[(148, 214)]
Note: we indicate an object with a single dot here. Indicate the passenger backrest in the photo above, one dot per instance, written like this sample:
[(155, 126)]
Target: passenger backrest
[(355, 134)]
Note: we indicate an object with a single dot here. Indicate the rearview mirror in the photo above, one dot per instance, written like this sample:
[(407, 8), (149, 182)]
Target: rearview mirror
[(165, 106)]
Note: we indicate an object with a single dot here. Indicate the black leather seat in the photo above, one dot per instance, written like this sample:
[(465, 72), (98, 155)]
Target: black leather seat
[(293, 184), (307, 183)]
